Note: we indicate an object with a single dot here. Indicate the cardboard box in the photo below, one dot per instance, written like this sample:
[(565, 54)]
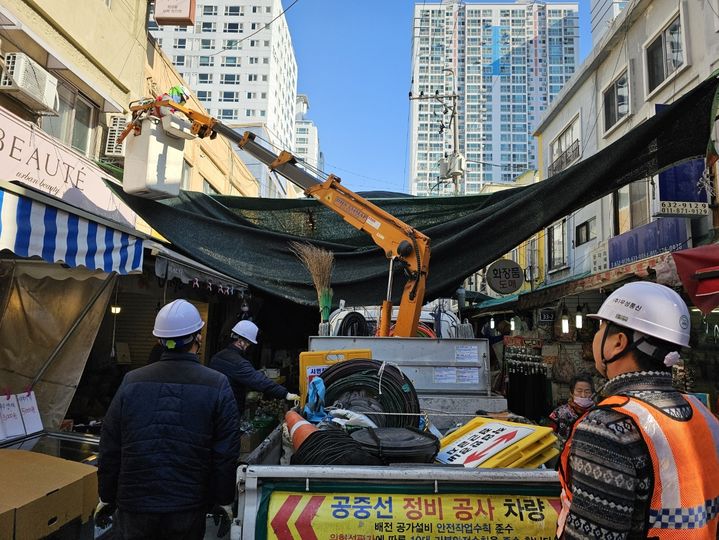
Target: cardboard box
[(7, 521), (44, 493)]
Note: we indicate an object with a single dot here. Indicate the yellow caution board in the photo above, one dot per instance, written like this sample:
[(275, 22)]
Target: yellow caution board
[(489, 443), (313, 363), (385, 516)]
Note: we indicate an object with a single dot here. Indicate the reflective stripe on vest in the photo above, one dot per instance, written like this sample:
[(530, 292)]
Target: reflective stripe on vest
[(685, 460), (685, 500)]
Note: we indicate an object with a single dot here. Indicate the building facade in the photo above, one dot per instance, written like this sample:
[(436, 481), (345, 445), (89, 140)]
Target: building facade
[(307, 139), (603, 13), (239, 59), (647, 58), (504, 63)]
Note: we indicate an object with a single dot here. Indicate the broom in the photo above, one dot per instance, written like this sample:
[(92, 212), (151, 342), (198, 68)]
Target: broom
[(319, 263)]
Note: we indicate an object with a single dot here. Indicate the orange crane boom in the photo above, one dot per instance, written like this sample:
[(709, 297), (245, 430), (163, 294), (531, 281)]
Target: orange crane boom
[(398, 240)]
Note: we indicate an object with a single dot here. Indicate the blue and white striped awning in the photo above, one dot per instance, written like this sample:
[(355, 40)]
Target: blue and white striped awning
[(30, 228)]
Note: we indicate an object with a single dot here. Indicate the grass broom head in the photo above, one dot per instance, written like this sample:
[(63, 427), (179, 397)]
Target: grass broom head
[(319, 262)]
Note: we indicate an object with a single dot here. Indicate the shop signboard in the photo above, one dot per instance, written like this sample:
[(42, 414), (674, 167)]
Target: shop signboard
[(546, 316), (505, 276), (175, 12), (659, 236), (31, 157), (680, 193), (329, 516)]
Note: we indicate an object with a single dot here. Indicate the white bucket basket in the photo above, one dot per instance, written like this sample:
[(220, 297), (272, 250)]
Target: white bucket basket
[(153, 159)]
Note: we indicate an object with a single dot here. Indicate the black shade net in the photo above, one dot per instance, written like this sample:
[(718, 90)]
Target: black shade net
[(247, 238)]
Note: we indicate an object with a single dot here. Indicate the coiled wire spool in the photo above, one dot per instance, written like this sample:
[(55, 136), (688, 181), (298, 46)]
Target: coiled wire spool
[(332, 447), (378, 382), (398, 445)]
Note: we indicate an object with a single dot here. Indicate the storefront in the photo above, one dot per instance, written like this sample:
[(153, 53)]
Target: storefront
[(547, 336)]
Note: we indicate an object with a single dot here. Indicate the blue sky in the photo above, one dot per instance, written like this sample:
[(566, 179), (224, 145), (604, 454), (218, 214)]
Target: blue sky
[(353, 59)]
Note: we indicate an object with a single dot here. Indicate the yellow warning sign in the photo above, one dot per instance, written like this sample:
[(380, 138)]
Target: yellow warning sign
[(374, 516)]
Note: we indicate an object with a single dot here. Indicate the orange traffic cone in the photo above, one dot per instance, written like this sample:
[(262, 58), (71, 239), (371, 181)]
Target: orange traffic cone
[(299, 428)]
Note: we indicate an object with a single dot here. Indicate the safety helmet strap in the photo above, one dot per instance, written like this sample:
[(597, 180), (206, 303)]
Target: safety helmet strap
[(631, 346)]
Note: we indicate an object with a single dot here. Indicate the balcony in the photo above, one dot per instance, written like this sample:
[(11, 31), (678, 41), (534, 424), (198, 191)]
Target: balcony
[(566, 158)]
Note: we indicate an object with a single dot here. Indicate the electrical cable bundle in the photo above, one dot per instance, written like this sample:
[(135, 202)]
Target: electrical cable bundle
[(354, 324), (375, 382), (332, 447), (398, 445)]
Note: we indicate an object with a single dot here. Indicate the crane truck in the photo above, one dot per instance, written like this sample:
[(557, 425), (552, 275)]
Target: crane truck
[(409, 502), (400, 242)]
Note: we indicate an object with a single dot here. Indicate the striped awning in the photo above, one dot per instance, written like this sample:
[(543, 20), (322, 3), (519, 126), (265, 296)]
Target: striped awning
[(30, 227)]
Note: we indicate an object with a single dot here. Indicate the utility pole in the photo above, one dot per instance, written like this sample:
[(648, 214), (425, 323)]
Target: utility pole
[(453, 165)]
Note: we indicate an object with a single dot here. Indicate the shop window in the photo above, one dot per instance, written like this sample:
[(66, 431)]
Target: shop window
[(556, 245), (665, 54), (585, 231), (76, 121), (616, 101), (631, 206)]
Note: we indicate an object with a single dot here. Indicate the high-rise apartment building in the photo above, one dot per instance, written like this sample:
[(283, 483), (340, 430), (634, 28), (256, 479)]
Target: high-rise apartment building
[(505, 63), (239, 60)]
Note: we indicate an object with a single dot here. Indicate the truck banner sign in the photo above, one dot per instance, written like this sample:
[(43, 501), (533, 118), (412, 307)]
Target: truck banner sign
[(392, 516)]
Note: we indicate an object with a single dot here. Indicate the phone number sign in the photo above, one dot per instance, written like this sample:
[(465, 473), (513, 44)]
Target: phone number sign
[(505, 276), (391, 516)]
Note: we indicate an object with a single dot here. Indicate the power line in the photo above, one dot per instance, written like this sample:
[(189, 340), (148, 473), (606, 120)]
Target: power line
[(266, 26)]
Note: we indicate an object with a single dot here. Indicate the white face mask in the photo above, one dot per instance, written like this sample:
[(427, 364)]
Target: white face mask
[(583, 402)]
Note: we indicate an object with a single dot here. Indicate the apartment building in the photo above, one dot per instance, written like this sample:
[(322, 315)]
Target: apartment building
[(504, 63), (239, 59)]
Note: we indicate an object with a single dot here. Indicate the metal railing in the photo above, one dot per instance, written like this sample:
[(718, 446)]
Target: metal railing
[(565, 159)]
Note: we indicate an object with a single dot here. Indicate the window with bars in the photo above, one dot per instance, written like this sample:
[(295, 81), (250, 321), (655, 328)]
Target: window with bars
[(665, 54), (616, 101), (556, 245)]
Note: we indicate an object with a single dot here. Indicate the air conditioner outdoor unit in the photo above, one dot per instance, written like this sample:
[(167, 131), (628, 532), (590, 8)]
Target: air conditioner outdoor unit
[(115, 127), (29, 82)]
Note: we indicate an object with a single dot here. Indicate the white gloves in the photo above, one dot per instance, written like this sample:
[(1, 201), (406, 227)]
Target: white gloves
[(103, 514), (292, 397), (345, 417)]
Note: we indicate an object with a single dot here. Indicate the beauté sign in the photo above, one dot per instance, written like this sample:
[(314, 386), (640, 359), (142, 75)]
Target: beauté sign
[(33, 158)]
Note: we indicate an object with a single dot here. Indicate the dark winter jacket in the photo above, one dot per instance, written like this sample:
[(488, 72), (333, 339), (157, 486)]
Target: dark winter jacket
[(170, 439), (243, 376)]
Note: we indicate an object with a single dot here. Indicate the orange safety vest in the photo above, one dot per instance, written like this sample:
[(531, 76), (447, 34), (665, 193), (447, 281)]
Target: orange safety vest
[(685, 462)]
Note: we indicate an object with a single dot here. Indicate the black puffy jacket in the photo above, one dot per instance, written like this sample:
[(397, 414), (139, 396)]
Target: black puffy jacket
[(243, 376), (170, 439)]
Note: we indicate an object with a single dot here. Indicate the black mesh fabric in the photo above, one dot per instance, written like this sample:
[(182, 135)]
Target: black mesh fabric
[(248, 238)]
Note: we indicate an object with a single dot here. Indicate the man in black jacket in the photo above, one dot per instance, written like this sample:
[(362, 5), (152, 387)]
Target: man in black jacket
[(240, 372), (170, 439)]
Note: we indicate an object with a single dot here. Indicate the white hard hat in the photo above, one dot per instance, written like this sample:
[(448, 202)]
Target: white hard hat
[(177, 319), (650, 308), (247, 330)]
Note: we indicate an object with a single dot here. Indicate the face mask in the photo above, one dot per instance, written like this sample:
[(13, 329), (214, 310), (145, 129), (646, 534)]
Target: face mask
[(583, 402)]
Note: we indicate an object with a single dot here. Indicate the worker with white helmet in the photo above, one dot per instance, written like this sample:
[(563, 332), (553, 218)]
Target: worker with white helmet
[(170, 440), (645, 462), (239, 370)]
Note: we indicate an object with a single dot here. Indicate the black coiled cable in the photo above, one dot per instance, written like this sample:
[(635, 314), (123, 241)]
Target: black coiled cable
[(394, 392), (354, 324)]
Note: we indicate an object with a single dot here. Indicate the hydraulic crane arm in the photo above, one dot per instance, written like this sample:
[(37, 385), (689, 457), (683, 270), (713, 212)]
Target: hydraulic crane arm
[(398, 240)]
